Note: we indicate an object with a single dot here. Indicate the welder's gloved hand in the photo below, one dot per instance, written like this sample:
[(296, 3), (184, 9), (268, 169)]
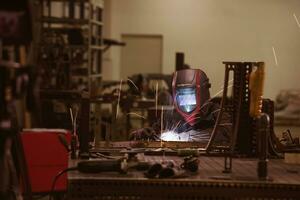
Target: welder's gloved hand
[(147, 133)]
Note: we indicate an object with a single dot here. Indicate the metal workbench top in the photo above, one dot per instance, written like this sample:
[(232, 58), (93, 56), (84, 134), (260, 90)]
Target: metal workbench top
[(209, 182)]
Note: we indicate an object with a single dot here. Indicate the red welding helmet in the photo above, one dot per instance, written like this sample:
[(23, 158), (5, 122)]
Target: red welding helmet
[(190, 93)]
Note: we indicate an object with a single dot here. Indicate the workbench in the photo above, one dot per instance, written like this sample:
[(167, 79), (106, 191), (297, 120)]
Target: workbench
[(209, 183)]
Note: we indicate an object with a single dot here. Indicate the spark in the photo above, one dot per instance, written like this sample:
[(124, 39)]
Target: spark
[(132, 113), (190, 120), (219, 92), (156, 97), (133, 84), (71, 113), (228, 82), (173, 129), (74, 118), (275, 57), (192, 115), (119, 96), (161, 125), (217, 110), (76, 113), (174, 136), (226, 124), (297, 21)]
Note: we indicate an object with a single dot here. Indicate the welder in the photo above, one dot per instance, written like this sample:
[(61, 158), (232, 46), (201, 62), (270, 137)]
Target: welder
[(195, 115)]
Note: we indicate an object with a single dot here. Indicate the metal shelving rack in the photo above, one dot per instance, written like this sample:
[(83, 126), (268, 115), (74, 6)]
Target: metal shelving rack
[(70, 49), (70, 60)]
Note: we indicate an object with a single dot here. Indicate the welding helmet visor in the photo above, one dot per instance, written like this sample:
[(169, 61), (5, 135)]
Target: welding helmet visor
[(186, 99)]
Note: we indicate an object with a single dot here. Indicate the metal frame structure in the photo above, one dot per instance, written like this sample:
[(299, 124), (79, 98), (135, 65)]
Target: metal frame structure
[(88, 41), (243, 141)]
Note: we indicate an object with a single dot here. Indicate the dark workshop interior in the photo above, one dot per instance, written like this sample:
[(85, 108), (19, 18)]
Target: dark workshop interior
[(149, 99)]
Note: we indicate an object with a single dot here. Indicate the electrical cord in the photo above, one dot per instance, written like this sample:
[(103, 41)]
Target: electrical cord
[(56, 178)]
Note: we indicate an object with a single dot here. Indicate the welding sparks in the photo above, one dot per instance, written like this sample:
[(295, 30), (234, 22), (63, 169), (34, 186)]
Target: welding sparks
[(156, 97), (297, 21), (131, 113), (222, 87), (76, 114), (119, 97), (161, 125), (133, 84), (217, 110), (219, 92), (225, 124), (275, 57), (176, 126), (74, 118), (190, 120), (174, 136), (71, 114), (170, 136)]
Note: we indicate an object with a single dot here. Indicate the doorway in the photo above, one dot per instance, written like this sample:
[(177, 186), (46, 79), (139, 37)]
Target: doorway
[(142, 54)]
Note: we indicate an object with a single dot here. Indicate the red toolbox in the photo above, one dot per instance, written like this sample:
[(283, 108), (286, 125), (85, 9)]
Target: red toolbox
[(45, 156)]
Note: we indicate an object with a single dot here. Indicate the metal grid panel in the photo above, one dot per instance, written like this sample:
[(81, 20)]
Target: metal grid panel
[(209, 183)]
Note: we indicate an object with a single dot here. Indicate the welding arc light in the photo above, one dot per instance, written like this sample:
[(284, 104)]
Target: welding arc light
[(186, 99)]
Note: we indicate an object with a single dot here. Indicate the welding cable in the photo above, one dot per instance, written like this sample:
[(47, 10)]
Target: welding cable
[(56, 178)]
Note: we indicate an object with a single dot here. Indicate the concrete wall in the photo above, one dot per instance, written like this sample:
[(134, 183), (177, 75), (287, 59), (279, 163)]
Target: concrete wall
[(212, 31)]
